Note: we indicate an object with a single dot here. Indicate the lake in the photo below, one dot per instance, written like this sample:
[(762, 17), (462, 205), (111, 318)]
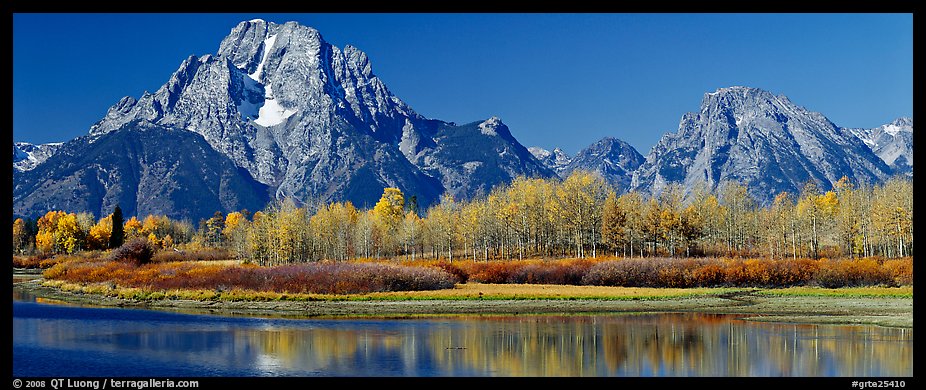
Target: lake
[(54, 339)]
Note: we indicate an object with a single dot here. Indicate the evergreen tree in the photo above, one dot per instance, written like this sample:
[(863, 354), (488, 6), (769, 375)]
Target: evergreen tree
[(118, 234)]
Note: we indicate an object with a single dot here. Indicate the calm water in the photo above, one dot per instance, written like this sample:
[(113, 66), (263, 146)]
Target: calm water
[(62, 340)]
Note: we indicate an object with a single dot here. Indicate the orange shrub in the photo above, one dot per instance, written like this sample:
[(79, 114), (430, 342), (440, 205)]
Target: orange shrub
[(324, 278), (492, 272), (852, 273), (901, 270), (708, 275), (26, 261)]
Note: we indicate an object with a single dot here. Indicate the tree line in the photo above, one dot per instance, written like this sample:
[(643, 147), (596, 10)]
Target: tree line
[(579, 216)]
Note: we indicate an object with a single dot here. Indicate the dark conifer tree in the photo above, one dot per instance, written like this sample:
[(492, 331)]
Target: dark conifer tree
[(118, 234)]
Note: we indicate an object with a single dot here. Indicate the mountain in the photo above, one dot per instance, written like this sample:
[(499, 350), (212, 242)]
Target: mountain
[(313, 122), (145, 169), (763, 141), (557, 160), (27, 156), (613, 159), (892, 142), (473, 158)]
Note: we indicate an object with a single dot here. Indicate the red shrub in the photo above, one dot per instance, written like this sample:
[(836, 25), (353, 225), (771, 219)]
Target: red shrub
[(458, 273), (138, 251), (323, 278), (492, 272)]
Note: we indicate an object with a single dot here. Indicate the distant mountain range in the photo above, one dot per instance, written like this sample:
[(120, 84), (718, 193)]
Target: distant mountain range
[(27, 156), (279, 112), (892, 142), (766, 142)]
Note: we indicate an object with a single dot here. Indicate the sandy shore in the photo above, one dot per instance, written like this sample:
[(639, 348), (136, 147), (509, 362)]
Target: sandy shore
[(894, 312)]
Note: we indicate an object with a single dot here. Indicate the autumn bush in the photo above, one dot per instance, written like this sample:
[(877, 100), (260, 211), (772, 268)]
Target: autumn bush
[(27, 261), (769, 272), (492, 271), (390, 275), (320, 278), (459, 275), (627, 272), (558, 272), (681, 273), (901, 270), (854, 273), (168, 255), (138, 251)]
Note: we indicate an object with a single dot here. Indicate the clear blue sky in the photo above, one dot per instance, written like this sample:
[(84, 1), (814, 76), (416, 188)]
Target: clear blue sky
[(557, 80)]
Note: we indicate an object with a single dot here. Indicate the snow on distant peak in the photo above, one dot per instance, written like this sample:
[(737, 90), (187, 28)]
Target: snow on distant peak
[(539, 153), (256, 20), (27, 156), (898, 126)]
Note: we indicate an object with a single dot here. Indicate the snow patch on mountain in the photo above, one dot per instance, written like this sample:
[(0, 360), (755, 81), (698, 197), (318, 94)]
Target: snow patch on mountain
[(557, 160), (892, 142), (272, 113), (259, 72), (26, 156)]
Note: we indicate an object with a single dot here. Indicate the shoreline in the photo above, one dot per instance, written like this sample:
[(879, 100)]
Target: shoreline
[(753, 306)]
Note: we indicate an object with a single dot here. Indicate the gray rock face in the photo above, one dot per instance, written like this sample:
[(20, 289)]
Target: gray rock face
[(613, 159), (472, 159), (892, 142), (27, 156), (314, 122), (145, 169), (557, 160), (766, 142)]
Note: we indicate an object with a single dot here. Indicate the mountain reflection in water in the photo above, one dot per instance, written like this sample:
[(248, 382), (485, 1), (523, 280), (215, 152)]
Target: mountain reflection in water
[(50, 340)]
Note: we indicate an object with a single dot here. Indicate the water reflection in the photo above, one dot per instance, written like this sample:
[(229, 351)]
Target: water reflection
[(121, 342)]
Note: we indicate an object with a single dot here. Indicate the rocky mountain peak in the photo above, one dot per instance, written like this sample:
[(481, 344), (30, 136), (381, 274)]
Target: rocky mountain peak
[(892, 142), (490, 126), (293, 111), (756, 138)]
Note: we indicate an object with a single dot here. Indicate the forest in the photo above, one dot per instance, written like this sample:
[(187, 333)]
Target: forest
[(577, 217)]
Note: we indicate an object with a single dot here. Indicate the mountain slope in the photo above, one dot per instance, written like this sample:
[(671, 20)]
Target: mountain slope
[(303, 118), (613, 159), (892, 142), (145, 169), (557, 160), (473, 158), (312, 121), (27, 156), (763, 141)]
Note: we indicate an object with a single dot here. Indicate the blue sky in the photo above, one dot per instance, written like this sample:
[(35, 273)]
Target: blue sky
[(557, 80)]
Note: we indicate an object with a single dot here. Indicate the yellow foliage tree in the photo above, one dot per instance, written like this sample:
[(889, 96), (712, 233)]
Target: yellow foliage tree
[(98, 238), (46, 239), (387, 216), (167, 242), (133, 228), (19, 235), (68, 234), (153, 240)]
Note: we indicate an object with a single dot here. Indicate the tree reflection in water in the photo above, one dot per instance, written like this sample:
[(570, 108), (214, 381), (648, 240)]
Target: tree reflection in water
[(666, 344)]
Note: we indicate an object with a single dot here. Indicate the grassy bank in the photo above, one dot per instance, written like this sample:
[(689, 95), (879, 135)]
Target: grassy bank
[(845, 292), (878, 306), (470, 291)]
